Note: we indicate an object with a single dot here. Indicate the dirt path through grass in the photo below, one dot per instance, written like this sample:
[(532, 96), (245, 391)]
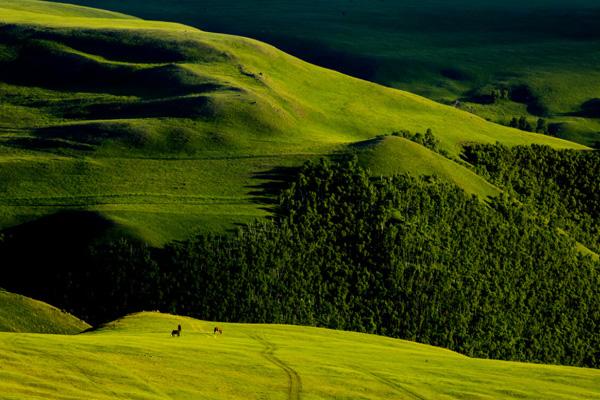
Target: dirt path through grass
[(396, 386), (294, 380)]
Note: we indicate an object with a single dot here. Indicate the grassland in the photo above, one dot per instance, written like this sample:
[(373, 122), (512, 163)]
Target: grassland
[(136, 358), (395, 155), (22, 314), (164, 129), (432, 47)]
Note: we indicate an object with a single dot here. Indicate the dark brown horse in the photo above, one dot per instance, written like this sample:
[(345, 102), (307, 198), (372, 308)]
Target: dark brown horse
[(217, 330), (176, 332)]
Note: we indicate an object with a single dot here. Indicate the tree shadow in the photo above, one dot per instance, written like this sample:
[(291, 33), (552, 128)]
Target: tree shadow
[(271, 183), (40, 257)]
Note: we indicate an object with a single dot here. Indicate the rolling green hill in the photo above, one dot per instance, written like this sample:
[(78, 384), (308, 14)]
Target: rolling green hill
[(22, 314), (443, 50), (136, 358), (394, 155), (164, 129), (59, 10)]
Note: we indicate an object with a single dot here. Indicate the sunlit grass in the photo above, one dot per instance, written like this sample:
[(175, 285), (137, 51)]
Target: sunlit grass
[(169, 130), (136, 358), (22, 314), (429, 47)]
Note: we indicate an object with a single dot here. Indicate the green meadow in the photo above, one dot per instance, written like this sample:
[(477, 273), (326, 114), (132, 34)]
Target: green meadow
[(23, 314), (117, 125), (165, 130), (394, 155), (439, 49), (136, 358)]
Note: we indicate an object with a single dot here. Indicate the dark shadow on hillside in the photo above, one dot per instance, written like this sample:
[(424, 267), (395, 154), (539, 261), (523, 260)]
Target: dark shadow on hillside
[(316, 52), (522, 94), (125, 45), (94, 134), (456, 74), (589, 109), (272, 182), (362, 145), (475, 96), (525, 95), (42, 144), (41, 59), (196, 106), (42, 257), (56, 70), (135, 46)]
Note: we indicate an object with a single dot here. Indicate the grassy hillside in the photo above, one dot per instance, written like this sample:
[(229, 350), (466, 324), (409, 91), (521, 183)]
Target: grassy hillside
[(395, 155), (430, 47), (22, 314), (136, 358), (164, 129), (60, 10)]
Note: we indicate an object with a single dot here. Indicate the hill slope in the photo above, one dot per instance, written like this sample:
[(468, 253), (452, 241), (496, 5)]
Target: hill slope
[(136, 358), (430, 47), (22, 314), (395, 155), (162, 128), (59, 10)]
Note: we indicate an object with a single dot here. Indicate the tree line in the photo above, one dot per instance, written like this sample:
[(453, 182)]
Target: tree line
[(413, 258), (563, 186)]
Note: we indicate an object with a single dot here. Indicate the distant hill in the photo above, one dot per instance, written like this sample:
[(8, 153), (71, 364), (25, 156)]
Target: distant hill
[(163, 129), (22, 314), (547, 51), (136, 357)]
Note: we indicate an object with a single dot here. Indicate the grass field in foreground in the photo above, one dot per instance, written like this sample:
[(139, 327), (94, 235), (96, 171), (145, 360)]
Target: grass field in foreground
[(136, 358), (165, 130), (22, 314)]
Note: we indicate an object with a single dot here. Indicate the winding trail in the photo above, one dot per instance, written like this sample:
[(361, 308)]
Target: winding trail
[(398, 387), (294, 381)]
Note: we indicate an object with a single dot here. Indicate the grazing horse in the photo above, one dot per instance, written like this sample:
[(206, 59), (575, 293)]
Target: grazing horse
[(217, 330), (176, 332)]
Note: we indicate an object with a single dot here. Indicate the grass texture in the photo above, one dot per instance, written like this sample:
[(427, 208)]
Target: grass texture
[(166, 130), (439, 49), (22, 314), (136, 358)]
